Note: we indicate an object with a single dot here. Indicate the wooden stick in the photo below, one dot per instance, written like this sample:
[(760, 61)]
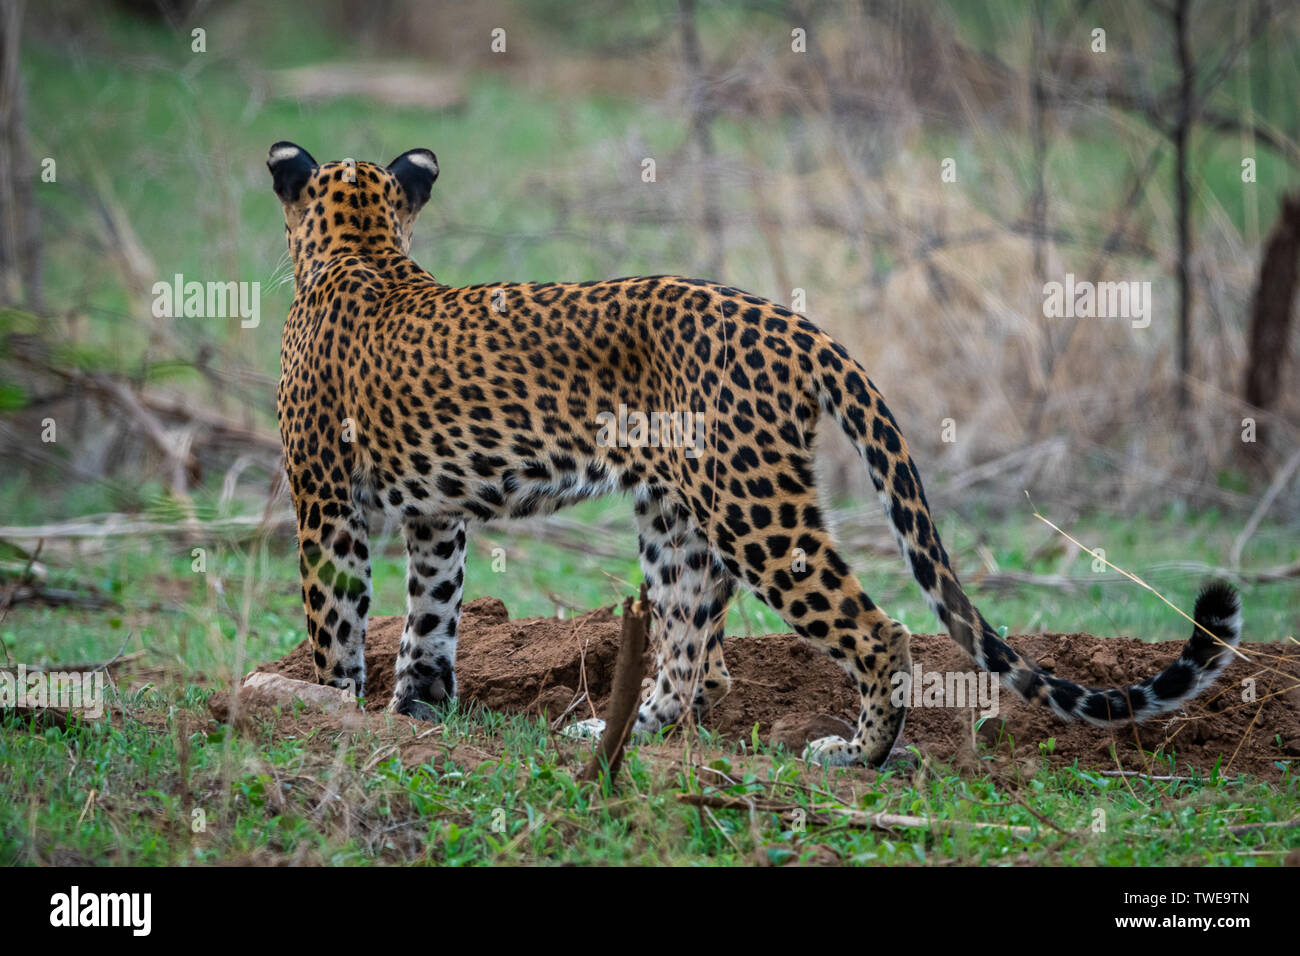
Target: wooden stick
[(1272, 825), (620, 712), (121, 525), (843, 815), (59, 597), (86, 666)]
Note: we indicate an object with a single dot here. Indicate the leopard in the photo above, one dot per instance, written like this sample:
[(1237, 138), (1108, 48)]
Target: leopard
[(439, 408)]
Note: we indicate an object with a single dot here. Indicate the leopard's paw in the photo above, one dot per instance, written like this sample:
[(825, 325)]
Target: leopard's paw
[(832, 752)]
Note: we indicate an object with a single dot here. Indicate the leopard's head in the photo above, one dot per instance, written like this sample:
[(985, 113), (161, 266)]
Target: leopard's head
[(349, 207)]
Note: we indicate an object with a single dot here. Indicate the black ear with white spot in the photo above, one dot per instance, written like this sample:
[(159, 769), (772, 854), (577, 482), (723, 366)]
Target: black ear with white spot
[(416, 169), (291, 166)]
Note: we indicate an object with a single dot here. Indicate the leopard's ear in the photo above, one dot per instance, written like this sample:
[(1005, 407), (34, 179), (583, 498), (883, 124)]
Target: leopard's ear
[(291, 166), (415, 169)]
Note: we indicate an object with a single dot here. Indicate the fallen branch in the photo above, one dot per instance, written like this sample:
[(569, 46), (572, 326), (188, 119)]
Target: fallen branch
[(1145, 776), (87, 666), (1007, 580), (118, 525), (845, 816), (620, 712), (1241, 828), (58, 597)]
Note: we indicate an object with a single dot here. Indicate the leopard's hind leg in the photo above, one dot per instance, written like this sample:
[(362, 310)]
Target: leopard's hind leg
[(792, 565), (689, 590)]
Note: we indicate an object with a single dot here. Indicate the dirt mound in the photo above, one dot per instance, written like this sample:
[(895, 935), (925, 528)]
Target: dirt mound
[(791, 692)]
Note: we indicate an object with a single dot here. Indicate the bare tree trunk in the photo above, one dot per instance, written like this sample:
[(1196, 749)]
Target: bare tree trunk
[(1038, 110), (20, 254), (702, 134), (1271, 313), (1182, 127)]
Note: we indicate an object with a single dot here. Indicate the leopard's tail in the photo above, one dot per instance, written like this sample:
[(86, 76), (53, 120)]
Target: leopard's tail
[(844, 391)]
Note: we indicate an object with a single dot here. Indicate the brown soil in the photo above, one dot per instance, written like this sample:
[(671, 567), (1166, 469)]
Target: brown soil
[(792, 693)]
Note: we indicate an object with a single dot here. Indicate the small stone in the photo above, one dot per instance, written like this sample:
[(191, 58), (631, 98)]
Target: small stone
[(276, 688)]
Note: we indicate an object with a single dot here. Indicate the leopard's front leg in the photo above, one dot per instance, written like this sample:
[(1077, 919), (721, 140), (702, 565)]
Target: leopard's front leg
[(334, 566), (426, 660)]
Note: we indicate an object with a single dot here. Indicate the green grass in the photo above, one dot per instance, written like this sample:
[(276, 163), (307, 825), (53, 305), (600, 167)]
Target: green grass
[(159, 791)]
